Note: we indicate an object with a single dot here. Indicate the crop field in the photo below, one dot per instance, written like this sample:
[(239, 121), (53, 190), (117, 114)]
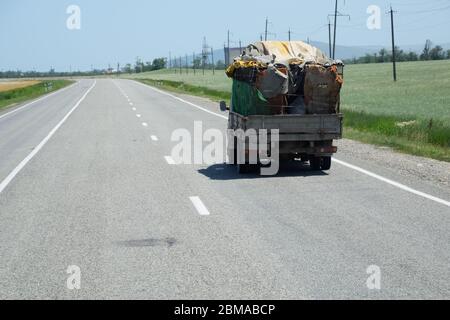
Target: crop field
[(11, 85), (19, 91), (411, 115)]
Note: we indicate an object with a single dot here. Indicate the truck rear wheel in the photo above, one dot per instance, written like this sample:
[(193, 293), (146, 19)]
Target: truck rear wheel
[(320, 163), (315, 163), (326, 163)]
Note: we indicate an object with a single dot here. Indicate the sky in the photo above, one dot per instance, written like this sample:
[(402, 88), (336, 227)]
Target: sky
[(34, 34)]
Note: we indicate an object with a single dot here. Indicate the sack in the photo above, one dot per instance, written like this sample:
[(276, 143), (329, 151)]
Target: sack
[(273, 81), (322, 88)]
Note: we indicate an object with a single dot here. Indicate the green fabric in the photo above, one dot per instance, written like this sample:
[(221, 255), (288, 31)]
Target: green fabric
[(247, 100)]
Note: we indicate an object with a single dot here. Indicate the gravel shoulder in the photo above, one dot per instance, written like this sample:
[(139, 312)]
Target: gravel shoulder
[(426, 169)]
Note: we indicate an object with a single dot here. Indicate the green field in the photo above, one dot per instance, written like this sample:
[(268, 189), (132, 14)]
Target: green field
[(12, 97), (411, 115)]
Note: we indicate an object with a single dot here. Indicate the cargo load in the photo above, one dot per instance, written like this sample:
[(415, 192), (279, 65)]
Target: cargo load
[(276, 77), (291, 90)]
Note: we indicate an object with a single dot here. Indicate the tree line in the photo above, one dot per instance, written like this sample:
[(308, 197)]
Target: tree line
[(429, 53)]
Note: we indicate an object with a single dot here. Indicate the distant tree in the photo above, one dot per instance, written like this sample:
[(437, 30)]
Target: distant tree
[(382, 55), (448, 54), (412, 56), (437, 53), (139, 65), (159, 63), (127, 68), (148, 66)]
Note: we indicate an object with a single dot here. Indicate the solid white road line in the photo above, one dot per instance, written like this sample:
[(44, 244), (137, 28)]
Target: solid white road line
[(24, 162), (169, 160), (393, 183), (199, 206), (145, 124), (371, 174), (37, 100), (154, 138)]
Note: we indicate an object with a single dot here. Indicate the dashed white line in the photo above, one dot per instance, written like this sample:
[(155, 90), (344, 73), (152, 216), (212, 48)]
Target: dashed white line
[(30, 156), (154, 138), (199, 206), (145, 124), (138, 115), (169, 160), (131, 103), (393, 183), (134, 109)]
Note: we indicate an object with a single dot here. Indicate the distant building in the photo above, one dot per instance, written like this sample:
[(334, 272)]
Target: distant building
[(233, 53)]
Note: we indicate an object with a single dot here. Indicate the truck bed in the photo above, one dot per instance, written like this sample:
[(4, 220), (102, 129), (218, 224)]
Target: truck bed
[(292, 127)]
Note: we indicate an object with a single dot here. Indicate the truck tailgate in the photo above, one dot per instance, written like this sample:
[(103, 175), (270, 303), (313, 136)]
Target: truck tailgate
[(312, 124)]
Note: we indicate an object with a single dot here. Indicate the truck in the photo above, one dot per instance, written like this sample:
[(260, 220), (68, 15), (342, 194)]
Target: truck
[(307, 136)]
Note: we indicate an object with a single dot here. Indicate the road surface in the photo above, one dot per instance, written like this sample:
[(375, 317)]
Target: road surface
[(86, 181)]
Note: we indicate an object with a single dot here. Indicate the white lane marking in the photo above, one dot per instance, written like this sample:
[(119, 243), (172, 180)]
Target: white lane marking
[(30, 156), (373, 175), (169, 160), (200, 206), (131, 103), (393, 183), (154, 138), (134, 109), (138, 115), (37, 100), (145, 124), (184, 101)]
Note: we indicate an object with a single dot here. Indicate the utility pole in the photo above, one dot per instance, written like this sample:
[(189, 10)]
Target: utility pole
[(193, 61), (212, 60), (329, 36), (289, 34), (170, 60), (267, 25), (240, 46), (394, 67), (335, 15), (228, 50), (187, 68), (118, 68), (181, 67), (335, 23)]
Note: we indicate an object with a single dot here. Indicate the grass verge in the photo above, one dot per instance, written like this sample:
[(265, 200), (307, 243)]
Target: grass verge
[(12, 97), (427, 138)]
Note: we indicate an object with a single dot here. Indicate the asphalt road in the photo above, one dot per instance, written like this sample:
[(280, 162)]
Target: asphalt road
[(85, 182)]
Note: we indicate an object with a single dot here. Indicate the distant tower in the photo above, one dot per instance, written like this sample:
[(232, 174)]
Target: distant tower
[(205, 52)]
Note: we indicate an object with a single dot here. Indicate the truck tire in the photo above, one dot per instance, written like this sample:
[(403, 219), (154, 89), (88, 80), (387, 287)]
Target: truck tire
[(315, 163), (326, 163)]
